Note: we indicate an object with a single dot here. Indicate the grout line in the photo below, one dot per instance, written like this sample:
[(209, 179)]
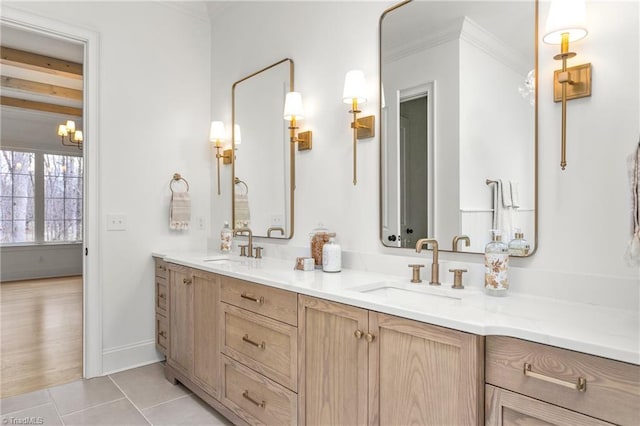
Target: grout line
[(55, 406), (130, 401), (94, 406), (170, 400), (26, 408)]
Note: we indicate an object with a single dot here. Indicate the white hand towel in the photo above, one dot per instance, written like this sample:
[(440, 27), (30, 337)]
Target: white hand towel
[(179, 211), (515, 194), (506, 193)]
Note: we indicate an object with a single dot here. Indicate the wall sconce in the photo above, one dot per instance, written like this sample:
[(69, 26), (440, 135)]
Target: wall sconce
[(354, 93), (74, 137), (293, 111), (216, 136), (566, 22), (237, 136)]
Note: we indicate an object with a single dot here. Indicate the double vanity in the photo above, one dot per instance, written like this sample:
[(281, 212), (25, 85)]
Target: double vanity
[(265, 344)]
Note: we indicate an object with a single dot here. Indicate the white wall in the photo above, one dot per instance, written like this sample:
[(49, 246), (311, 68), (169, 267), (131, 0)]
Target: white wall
[(583, 211), (153, 121)]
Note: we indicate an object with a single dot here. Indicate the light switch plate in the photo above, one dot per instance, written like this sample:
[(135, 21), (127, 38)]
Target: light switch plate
[(116, 222)]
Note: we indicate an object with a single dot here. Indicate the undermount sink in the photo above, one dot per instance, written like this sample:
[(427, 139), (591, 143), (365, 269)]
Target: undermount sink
[(410, 296), (220, 258)]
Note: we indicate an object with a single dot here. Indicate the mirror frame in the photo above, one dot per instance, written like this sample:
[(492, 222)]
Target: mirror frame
[(292, 161), (535, 241)]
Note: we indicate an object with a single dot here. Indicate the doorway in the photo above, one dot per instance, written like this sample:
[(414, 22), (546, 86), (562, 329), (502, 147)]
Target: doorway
[(414, 173), (90, 249)]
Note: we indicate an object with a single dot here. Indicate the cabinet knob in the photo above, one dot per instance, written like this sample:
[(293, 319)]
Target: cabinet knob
[(369, 337), (162, 334), (358, 334), (392, 238), (186, 281), (162, 296)]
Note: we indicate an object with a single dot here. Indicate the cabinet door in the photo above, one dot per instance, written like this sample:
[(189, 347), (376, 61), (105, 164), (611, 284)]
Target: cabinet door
[(332, 388), (504, 408), (181, 318), (423, 374), (206, 357)]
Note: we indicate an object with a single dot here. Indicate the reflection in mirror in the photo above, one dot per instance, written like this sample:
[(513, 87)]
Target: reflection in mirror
[(458, 109), (263, 167)]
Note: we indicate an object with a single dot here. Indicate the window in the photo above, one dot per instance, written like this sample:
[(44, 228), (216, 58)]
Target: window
[(41, 196), (62, 198), (17, 201)]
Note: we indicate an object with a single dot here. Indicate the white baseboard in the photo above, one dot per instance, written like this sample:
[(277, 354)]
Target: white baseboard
[(130, 356)]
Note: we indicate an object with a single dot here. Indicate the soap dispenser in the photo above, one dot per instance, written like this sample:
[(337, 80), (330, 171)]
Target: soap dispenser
[(496, 263), (226, 238), (331, 257), (519, 246)]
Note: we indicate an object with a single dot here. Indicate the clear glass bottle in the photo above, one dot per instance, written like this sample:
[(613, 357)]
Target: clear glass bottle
[(226, 238), (519, 246), (496, 264)]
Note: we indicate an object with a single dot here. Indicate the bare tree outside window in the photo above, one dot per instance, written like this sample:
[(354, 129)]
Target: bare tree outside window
[(63, 198), (17, 203)]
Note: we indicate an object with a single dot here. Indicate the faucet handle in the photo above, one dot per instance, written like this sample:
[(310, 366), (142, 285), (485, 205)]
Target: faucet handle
[(416, 273), (243, 249), (258, 252), (457, 278)]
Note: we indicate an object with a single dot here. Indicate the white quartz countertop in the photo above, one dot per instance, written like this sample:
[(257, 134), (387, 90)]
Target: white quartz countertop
[(592, 329)]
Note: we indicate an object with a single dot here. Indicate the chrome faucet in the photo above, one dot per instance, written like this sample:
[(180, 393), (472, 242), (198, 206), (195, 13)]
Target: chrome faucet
[(245, 230), (465, 238), (275, 228), (435, 276)]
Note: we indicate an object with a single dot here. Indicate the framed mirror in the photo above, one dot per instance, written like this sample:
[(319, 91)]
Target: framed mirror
[(264, 161), (458, 123)]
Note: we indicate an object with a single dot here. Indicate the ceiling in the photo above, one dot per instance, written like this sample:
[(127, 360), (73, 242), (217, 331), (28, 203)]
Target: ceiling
[(42, 86)]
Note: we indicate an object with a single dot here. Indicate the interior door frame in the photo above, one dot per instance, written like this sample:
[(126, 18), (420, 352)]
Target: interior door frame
[(91, 277)]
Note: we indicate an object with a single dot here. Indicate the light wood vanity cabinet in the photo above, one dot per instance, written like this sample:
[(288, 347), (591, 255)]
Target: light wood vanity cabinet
[(541, 383), (259, 352), (162, 296), (262, 355), (364, 367), (194, 350)]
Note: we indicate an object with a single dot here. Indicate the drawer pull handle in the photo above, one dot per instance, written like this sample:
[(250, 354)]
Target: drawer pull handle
[(580, 385), (162, 334), (246, 396), (186, 281), (258, 300), (262, 345)]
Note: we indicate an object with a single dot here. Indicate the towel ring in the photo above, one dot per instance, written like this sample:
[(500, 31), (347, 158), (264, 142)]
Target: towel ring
[(177, 177), (237, 181)]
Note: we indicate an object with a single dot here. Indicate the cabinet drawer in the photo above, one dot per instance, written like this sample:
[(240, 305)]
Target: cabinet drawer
[(161, 295), (161, 268), (509, 408), (611, 391), (255, 398), (272, 302), (162, 333), (263, 344)]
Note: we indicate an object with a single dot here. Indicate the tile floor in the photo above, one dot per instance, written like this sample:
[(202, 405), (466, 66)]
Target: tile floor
[(141, 396)]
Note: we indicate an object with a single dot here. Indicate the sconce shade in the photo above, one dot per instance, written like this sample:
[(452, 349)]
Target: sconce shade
[(566, 16), (237, 136), (354, 87), (217, 131), (71, 126), (62, 130), (77, 136), (293, 108)]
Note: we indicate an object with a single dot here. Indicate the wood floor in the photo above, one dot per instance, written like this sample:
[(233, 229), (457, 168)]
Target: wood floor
[(41, 334)]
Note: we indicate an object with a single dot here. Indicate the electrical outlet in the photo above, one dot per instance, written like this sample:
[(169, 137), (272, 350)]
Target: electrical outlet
[(277, 220), (116, 222), (200, 221)]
